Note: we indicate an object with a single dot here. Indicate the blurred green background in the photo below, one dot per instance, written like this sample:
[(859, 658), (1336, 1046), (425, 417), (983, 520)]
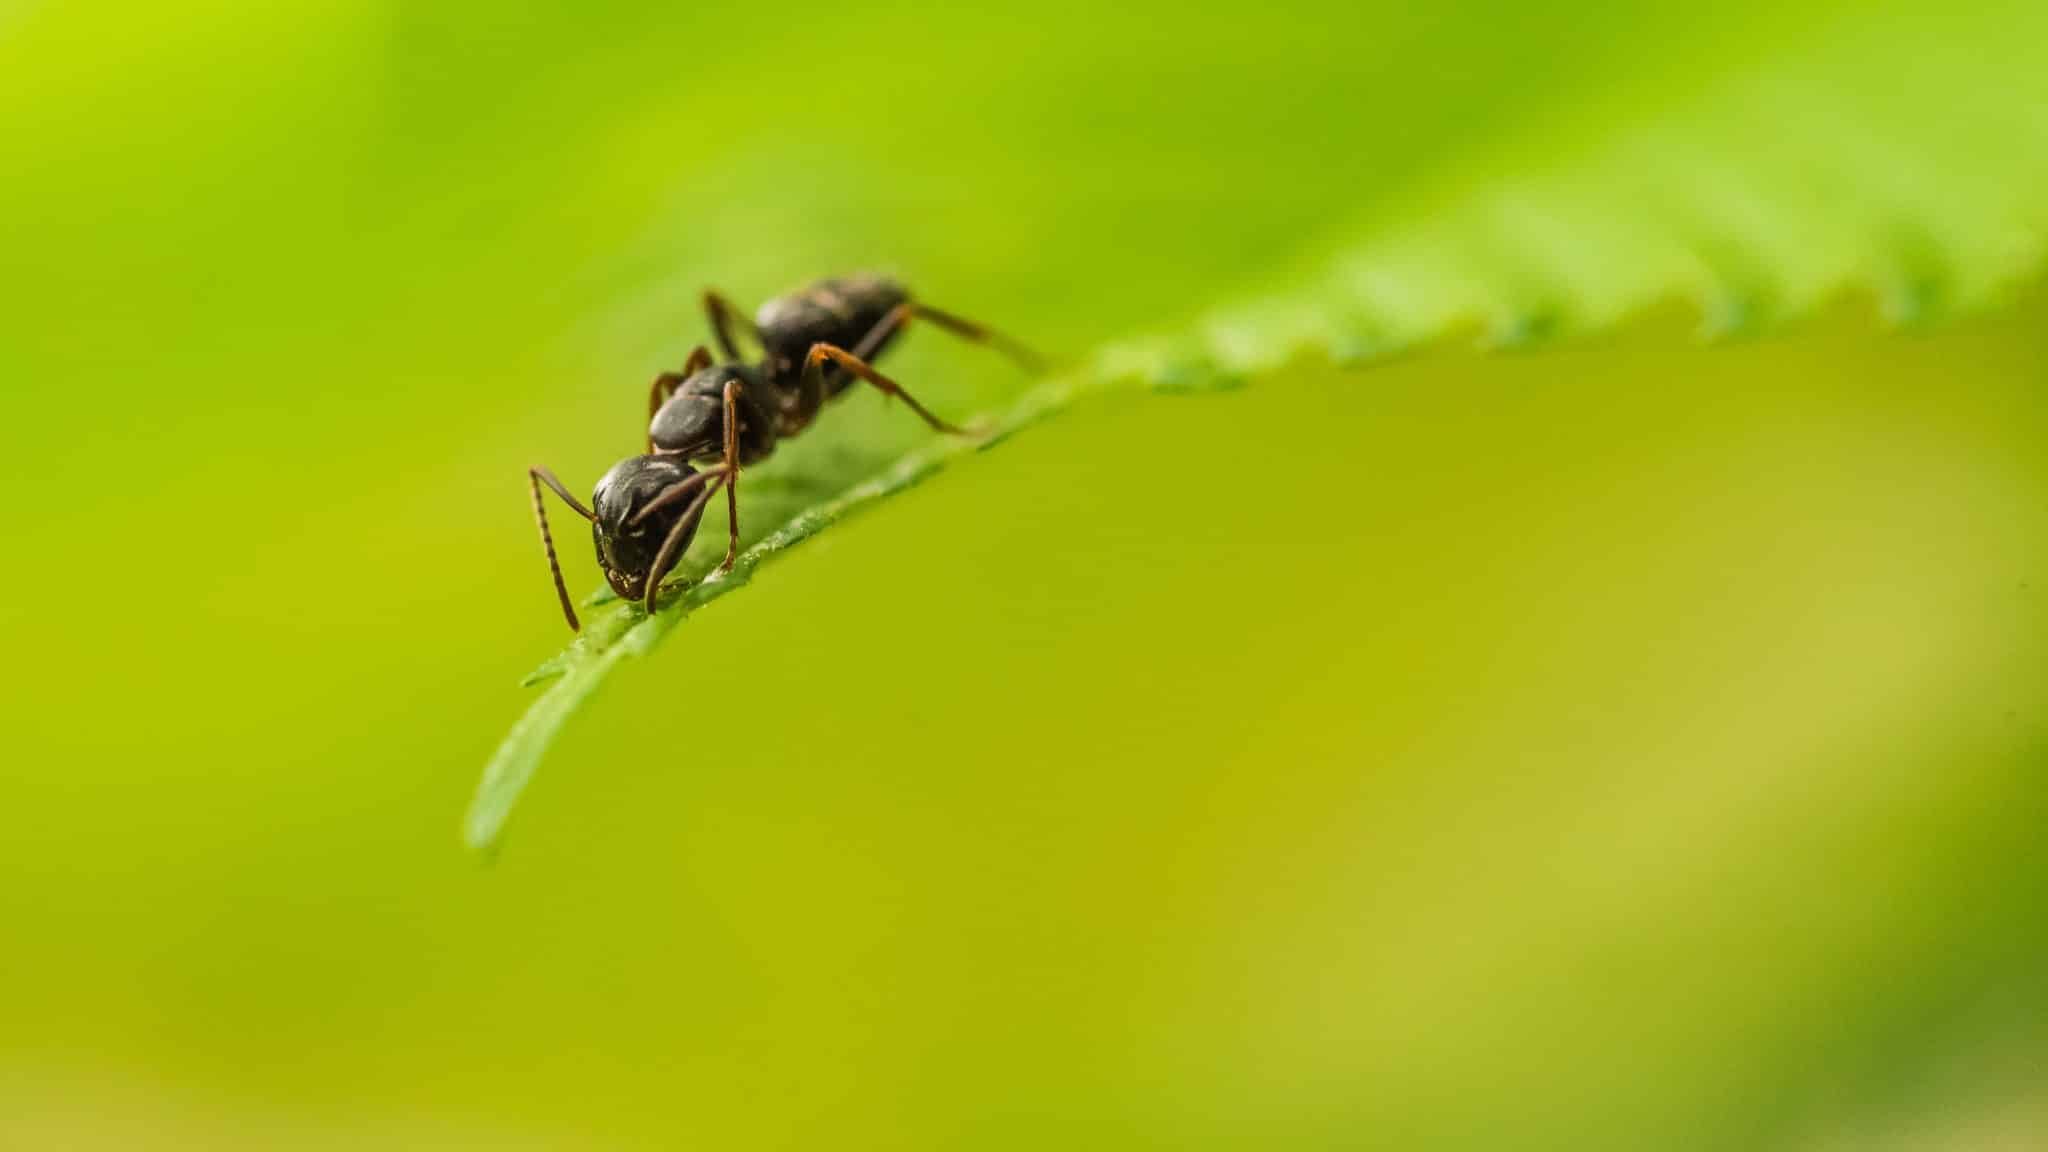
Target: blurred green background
[(1627, 745)]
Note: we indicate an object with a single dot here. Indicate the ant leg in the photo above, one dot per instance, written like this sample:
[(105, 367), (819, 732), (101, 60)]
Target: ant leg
[(535, 477), (675, 492), (965, 329), (698, 360), (672, 547), (732, 475), (884, 328), (814, 371), (665, 385), (723, 317)]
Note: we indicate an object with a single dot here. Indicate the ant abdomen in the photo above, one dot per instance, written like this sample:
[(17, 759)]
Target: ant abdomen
[(842, 311)]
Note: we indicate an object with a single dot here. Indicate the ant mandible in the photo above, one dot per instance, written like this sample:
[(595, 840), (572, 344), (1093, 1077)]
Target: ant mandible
[(816, 343)]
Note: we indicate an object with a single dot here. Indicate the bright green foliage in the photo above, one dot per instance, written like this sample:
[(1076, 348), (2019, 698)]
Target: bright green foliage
[(1637, 743), (1884, 160)]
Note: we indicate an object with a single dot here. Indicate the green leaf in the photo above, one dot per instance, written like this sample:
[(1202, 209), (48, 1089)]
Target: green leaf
[(1904, 158)]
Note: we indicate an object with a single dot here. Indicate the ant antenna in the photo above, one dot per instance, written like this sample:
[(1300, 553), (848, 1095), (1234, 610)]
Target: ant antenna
[(535, 478)]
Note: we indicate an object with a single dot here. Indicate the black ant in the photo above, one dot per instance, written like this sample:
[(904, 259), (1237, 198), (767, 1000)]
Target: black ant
[(816, 343)]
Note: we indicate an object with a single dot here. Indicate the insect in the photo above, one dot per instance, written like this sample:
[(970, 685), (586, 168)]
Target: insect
[(710, 420)]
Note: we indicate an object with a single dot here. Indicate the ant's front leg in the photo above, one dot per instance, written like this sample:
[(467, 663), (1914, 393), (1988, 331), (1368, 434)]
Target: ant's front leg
[(704, 484), (822, 354), (665, 385)]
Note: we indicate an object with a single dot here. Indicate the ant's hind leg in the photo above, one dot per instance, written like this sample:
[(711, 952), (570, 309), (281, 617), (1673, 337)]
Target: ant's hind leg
[(965, 329), (724, 317), (535, 477), (821, 354)]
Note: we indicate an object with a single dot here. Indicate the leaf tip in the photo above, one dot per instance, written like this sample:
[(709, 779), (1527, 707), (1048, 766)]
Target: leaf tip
[(483, 826)]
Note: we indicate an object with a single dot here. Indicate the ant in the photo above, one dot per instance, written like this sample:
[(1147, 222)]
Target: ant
[(816, 343)]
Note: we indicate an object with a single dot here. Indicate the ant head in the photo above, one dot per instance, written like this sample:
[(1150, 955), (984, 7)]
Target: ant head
[(628, 545)]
